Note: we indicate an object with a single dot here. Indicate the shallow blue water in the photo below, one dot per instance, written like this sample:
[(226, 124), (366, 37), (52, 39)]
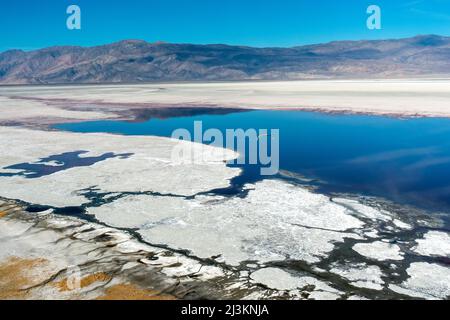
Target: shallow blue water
[(404, 160), (61, 162)]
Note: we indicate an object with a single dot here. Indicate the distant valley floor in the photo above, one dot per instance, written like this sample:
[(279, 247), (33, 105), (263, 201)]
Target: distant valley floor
[(430, 98)]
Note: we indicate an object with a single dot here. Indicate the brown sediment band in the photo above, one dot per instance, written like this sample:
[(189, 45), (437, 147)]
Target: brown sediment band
[(16, 276), (133, 292), (63, 285)]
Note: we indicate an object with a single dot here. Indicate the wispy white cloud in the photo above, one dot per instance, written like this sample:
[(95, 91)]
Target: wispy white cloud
[(412, 3), (422, 7), (432, 14)]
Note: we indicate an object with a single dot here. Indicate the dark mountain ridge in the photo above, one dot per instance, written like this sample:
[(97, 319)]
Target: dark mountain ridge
[(139, 61)]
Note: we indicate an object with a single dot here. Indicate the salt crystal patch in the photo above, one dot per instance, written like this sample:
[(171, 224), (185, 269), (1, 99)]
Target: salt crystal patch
[(275, 220), (379, 250), (278, 279), (361, 275), (426, 280), (434, 243)]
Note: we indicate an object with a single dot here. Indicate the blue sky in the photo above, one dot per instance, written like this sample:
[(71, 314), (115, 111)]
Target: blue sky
[(33, 24)]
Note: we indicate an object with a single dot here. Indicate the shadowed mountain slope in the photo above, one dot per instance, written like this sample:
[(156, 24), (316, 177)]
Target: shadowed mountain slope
[(140, 61)]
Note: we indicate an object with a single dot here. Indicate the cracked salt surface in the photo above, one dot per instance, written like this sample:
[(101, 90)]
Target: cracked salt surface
[(69, 242), (149, 168), (276, 221), (426, 280), (363, 210), (375, 214), (361, 275), (278, 279), (63, 241), (379, 250), (434, 243)]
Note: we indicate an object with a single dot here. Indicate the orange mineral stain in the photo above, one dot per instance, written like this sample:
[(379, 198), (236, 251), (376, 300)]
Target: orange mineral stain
[(132, 292), (63, 285), (16, 275)]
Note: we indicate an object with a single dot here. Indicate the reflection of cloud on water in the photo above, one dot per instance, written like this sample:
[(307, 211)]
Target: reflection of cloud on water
[(394, 155), (422, 164)]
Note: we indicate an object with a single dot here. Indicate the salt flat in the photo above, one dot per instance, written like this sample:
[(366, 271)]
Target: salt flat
[(132, 183), (393, 97), (147, 168), (45, 252), (275, 221)]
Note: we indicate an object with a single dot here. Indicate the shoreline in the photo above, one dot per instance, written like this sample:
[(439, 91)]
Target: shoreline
[(100, 105), (295, 226), (413, 98)]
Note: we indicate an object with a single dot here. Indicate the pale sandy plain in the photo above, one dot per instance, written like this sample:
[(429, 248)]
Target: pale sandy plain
[(391, 97), (348, 248)]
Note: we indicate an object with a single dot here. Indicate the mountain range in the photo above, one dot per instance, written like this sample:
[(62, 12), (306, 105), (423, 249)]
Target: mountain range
[(132, 61)]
